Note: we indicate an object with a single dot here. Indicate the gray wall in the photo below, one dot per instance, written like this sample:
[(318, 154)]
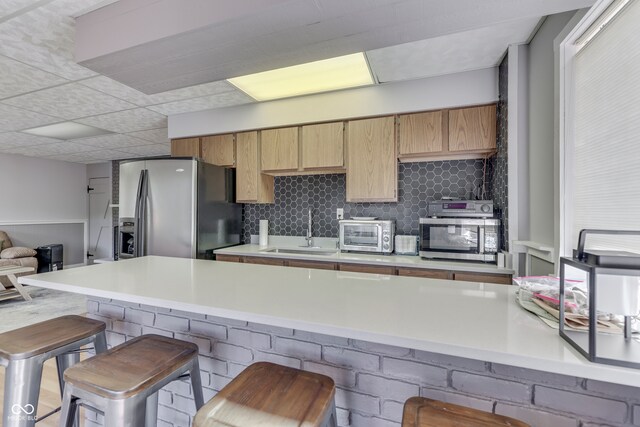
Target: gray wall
[(36, 192), (34, 235), (541, 129), (41, 190)]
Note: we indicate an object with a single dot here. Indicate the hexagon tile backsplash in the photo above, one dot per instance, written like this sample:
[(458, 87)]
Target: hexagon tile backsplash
[(418, 183)]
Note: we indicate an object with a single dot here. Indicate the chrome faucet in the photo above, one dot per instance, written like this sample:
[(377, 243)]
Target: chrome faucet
[(309, 237)]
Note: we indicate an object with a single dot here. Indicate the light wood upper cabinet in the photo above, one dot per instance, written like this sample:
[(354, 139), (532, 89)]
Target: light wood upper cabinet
[(420, 133), (279, 149), (372, 168), (472, 128), (251, 185), (323, 146), (219, 150), (186, 147)]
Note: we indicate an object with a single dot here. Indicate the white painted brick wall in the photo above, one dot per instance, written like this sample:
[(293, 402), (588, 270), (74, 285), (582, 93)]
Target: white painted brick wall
[(491, 387), (373, 381), (449, 396), (249, 339), (534, 416), (387, 388), (416, 371), (295, 348), (590, 406), (354, 359)]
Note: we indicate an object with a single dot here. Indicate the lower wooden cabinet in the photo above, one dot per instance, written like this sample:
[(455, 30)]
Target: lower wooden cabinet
[(318, 265), (426, 273), (500, 279), (364, 268), (264, 261), (229, 258)]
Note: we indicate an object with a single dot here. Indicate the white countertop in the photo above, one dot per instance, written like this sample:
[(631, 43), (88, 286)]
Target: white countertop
[(473, 320), (359, 258)]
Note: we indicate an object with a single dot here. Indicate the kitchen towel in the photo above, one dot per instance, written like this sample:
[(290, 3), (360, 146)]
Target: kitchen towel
[(264, 232)]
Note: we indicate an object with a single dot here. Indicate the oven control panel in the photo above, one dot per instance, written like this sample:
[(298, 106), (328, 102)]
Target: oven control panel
[(461, 208)]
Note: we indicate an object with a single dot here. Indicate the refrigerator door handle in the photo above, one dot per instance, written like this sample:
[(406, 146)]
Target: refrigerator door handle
[(143, 214), (136, 233)]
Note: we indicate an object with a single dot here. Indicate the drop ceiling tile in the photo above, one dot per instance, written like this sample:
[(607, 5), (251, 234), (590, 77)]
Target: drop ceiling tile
[(17, 78), (127, 121), (50, 149), (226, 99), (13, 118), (452, 53), (10, 140), (44, 38), (111, 141), (92, 156), (149, 150), (213, 88), (117, 89), (70, 101), (155, 136), (9, 7)]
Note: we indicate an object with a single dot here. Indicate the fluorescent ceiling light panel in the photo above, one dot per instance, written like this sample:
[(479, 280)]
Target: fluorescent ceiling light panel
[(313, 77), (67, 130)]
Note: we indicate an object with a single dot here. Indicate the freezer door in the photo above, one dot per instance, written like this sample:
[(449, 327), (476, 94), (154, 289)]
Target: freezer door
[(170, 216), (129, 179)]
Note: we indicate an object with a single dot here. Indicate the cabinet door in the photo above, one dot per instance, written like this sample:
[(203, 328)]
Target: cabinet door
[(251, 185), (219, 150), (372, 167), (228, 258), (185, 147), (501, 279), (420, 133), (263, 261), (318, 265), (279, 149), (363, 268), (472, 128), (425, 272), (323, 146)]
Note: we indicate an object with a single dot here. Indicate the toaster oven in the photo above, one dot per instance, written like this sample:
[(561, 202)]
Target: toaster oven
[(367, 236)]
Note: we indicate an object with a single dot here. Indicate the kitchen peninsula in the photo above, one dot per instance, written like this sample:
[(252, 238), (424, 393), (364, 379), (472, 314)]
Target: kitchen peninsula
[(382, 338)]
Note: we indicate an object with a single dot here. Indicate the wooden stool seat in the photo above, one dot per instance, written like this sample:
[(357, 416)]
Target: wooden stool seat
[(131, 367), (42, 337), (266, 394), (423, 412)]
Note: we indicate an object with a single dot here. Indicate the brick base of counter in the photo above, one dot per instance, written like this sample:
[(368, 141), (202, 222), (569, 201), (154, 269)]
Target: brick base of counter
[(372, 380)]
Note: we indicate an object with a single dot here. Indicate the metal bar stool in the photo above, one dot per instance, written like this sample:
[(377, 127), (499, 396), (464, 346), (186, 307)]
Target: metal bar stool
[(423, 412), (266, 394), (123, 382), (23, 351)]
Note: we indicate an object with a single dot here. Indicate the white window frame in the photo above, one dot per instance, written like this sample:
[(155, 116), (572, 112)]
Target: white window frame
[(566, 101)]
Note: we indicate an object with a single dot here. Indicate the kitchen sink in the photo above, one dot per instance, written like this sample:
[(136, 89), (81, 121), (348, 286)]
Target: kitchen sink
[(302, 251)]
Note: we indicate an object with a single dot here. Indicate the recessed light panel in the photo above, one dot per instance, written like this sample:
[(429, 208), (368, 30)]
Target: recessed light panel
[(67, 130), (313, 77)]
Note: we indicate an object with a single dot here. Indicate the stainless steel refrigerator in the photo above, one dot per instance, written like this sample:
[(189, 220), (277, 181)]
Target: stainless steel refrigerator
[(178, 207)]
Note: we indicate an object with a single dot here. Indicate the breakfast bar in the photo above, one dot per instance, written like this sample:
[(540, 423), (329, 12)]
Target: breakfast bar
[(381, 338)]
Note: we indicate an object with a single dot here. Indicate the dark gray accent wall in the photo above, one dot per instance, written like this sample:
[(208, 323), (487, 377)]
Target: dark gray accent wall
[(418, 183), (500, 184)]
